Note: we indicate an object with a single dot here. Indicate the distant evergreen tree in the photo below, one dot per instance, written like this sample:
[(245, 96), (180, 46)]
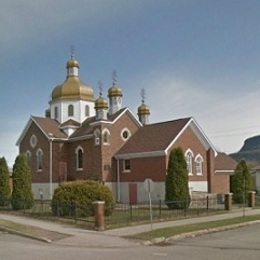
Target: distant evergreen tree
[(22, 196), (5, 190), (241, 182), (176, 184)]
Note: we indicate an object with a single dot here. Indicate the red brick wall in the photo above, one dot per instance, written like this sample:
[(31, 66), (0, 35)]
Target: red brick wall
[(143, 168), (188, 140)]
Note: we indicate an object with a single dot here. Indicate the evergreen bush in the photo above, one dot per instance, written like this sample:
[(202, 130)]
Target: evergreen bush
[(241, 182), (177, 194), (81, 194), (5, 190), (22, 196)]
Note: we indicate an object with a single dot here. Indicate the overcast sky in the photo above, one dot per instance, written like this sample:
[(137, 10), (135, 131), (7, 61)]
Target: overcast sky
[(197, 58)]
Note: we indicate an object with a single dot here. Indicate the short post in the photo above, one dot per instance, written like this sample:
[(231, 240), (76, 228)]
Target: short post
[(251, 199), (99, 214), (228, 201)]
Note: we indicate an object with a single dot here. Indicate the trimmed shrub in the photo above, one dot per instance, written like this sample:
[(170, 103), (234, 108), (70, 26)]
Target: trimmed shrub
[(5, 190), (176, 184), (22, 196), (81, 194)]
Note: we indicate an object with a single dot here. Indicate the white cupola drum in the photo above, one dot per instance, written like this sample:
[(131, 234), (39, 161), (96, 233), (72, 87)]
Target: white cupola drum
[(115, 96), (143, 110)]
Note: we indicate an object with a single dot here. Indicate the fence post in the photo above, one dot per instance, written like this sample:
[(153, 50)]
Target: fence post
[(251, 199), (160, 208), (99, 213), (228, 201)]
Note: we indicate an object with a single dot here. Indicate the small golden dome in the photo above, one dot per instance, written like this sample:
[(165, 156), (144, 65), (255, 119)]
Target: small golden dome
[(143, 109), (101, 103), (115, 91), (72, 63)]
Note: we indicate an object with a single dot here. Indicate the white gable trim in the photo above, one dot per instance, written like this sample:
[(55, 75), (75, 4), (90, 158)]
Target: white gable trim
[(198, 132), (26, 128), (131, 114)]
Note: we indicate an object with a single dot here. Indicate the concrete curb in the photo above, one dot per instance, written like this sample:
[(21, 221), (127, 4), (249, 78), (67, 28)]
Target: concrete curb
[(10, 231), (161, 240)]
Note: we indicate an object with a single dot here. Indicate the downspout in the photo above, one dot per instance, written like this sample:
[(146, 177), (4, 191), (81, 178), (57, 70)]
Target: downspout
[(118, 181), (51, 168)]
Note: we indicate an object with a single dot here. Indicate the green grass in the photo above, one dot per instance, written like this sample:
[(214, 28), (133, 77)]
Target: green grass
[(30, 230), (172, 231)]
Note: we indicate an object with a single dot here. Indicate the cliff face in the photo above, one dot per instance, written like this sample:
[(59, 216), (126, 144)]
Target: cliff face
[(249, 152)]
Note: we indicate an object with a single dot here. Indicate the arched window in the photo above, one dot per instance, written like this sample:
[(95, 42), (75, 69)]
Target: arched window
[(106, 136), (56, 114), (70, 110), (188, 156), (199, 164), (28, 157), (79, 153), (39, 156), (86, 110), (97, 137)]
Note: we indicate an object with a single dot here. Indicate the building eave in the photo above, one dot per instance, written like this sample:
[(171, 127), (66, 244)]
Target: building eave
[(140, 155)]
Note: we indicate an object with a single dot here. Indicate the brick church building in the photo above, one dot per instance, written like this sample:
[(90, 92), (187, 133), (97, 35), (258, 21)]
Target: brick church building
[(86, 138)]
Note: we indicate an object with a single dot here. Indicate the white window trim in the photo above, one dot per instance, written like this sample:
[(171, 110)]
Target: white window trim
[(37, 160), (190, 163), (124, 169), (77, 159), (97, 137), (199, 157), (105, 131), (128, 132)]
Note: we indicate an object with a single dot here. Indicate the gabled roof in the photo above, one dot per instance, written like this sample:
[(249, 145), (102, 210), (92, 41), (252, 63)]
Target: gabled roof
[(156, 139), (48, 126), (70, 122), (224, 163), (87, 126), (152, 138)]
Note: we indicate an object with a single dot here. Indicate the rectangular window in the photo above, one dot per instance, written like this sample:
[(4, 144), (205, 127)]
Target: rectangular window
[(127, 165)]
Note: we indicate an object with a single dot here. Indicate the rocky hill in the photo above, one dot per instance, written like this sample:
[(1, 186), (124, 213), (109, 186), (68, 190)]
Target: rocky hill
[(249, 152)]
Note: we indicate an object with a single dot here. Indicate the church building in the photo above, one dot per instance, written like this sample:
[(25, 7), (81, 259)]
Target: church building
[(83, 137)]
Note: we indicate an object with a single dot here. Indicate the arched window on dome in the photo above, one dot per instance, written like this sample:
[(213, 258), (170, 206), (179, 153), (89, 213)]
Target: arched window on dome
[(39, 162), (56, 114), (87, 110), (188, 156), (79, 154), (70, 110)]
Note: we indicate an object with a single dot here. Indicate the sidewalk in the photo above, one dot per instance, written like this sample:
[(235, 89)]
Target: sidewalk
[(113, 238)]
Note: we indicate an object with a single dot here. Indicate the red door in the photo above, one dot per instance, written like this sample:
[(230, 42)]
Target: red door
[(132, 193)]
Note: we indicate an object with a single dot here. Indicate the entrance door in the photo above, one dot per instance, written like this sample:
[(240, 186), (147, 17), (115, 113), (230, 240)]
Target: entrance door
[(132, 193)]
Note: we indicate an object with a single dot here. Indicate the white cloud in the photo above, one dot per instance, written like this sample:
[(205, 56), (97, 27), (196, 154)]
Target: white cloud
[(8, 148), (217, 112)]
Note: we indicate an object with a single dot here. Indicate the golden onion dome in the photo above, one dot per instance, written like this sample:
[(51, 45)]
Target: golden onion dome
[(72, 63), (101, 103), (143, 110), (115, 91), (73, 87)]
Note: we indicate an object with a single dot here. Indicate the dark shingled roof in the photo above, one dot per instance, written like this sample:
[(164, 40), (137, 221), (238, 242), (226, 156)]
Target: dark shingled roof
[(49, 126), (224, 162), (154, 137)]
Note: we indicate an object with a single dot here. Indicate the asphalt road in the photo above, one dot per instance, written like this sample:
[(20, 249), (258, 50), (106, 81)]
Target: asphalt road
[(240, 244)]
